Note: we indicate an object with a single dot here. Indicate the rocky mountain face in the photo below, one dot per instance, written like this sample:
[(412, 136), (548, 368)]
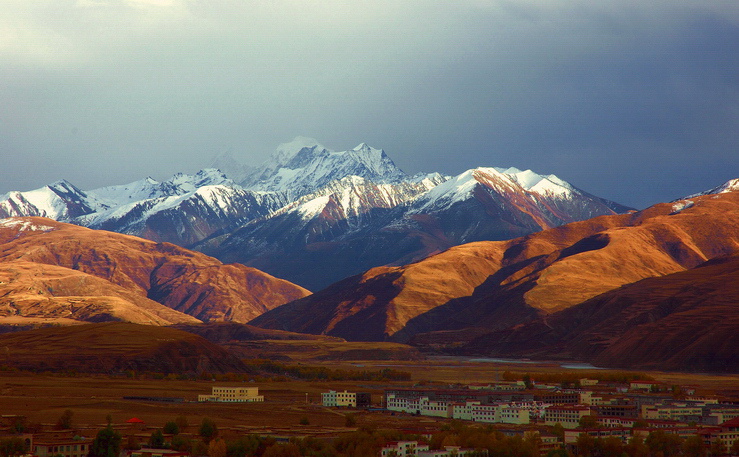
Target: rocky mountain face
[(315, 216), (52, 271), (384, 217), (478, 288)]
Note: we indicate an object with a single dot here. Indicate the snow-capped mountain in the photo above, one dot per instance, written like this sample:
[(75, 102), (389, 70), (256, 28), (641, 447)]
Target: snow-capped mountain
[(731, 185), (494, 203), (304, 166), (354, 224), (313, 215), (60, 200), (182, 210)]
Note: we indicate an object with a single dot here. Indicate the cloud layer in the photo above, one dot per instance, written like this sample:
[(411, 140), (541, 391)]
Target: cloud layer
[(633, 101)]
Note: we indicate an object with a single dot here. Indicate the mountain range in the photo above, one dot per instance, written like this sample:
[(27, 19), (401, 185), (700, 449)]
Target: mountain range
[(315, 216), (492, 262), (594, 290)]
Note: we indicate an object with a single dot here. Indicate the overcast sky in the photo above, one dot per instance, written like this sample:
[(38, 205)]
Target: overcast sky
[(636, 101)]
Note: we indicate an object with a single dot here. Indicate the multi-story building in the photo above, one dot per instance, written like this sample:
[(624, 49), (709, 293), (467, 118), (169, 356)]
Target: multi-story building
[(567, 415), (403, 449), (670, 412), (233, 394), (333, 398), (728, 433)]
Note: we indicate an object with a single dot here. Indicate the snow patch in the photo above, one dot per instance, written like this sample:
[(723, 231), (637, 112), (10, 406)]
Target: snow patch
[(682, 205), (313, 208), (23, 225)]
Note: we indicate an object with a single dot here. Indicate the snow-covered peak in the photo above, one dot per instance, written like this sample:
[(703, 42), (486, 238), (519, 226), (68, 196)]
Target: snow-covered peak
[(503, 181), (731, 185), (59, 200), (148, 188), (304, 166), (534, 182), (286, 151)]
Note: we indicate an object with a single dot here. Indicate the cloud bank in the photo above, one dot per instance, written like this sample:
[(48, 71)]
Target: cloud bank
[(633, 101)]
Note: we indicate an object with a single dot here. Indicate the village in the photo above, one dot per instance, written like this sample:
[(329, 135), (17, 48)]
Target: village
[(523, 417)]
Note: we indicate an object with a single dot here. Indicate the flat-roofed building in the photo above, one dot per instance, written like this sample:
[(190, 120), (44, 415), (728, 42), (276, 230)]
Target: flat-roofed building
[(333, 398), (233, 395), (568, 416), (65, 448), (403, 449)]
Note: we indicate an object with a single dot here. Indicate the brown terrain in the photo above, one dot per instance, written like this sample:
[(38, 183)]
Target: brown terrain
[(683, 321), (113, 347), (487, 286), (249, 342), (52, 272)]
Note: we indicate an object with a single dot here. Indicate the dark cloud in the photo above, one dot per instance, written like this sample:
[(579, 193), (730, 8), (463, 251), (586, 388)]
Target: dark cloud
[(633, 101)]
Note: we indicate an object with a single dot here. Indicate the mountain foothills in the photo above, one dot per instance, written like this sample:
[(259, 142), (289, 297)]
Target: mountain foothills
[(314, 216), (655, 282), (56, 272)]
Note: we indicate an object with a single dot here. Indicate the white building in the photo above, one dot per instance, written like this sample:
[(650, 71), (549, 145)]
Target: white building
[(403, 448), (233, 395)]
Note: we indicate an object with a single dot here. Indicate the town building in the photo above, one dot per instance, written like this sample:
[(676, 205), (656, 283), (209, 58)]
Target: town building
[(333, 398), (403, 449), (728, 433), (64, 448), (233, 395), (568, 416)]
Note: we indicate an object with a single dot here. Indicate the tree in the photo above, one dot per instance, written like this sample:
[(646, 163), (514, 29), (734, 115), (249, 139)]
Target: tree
[(304, 421), (156, 441), (244, 446), (665, 443), (636, 447), (718, 447), (178, 443), (559, 431), (182, 423), (693, 447), (107, 443), (132, 443), (171, 428), (208, 429), (585, 444), (10, 447), (217, 448), (611, 446), (588, 421), (65, 420), (735, 447), (18, 424), (282, 450), (350, 420)]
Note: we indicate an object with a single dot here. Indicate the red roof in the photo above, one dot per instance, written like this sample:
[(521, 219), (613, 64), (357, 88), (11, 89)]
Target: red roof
[(731, 423), (134, 420)]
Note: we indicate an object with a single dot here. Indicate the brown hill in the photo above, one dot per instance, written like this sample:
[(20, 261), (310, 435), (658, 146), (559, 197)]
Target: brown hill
[(114, 347), (94, 275), (492, 285), (685, 321)]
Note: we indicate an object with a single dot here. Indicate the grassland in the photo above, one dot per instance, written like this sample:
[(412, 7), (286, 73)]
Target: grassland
[(43, 398)]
